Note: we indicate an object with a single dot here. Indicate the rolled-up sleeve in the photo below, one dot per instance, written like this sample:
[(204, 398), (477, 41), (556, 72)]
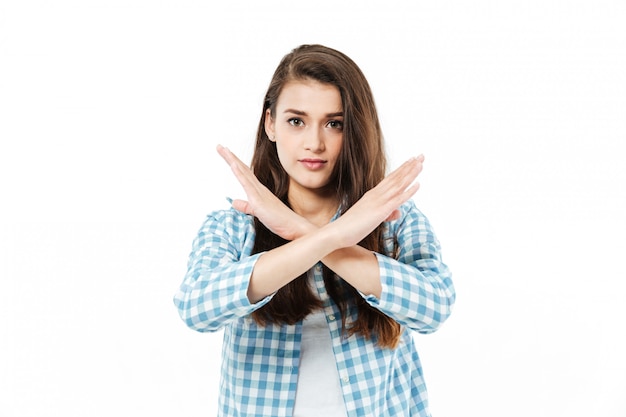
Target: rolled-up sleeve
[(417, 288), (214, 290)]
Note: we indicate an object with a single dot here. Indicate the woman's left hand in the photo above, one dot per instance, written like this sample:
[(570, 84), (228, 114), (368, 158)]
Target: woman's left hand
[(262, 203), (380, 203)]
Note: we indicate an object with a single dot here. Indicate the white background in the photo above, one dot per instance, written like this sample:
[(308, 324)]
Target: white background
[(109, 116)]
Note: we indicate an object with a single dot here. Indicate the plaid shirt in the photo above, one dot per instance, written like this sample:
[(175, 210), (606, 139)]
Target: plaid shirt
[(260, 364)]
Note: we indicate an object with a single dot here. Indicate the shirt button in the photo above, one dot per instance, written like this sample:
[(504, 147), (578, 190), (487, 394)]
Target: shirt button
[(346, 379), (331, 317), (318, 267)]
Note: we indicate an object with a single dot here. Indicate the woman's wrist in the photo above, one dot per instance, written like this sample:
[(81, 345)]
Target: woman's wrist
[(302, 227)]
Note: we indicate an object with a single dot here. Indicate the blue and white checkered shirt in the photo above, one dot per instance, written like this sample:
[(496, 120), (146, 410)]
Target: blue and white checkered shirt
[(260, 364)]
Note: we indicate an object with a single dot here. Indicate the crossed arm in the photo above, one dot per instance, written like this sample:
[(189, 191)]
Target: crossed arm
[(335, 243)]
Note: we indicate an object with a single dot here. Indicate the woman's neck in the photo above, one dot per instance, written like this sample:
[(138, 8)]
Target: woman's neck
[(318, 209)]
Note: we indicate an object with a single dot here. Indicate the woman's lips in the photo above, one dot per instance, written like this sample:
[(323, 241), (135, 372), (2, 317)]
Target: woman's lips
[(313, 164)]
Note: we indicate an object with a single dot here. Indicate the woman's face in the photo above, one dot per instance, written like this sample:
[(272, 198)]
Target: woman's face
[(308, 131)]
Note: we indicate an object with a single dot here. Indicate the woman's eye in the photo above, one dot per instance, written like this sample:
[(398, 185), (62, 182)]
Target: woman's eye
[(295, 121), (335, 124)]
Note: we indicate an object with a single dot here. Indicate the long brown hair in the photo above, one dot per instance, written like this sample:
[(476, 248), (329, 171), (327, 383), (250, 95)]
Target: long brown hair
[(361, 166)]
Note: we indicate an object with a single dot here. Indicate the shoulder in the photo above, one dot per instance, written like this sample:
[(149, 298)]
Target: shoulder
[(411, 221), (231, 216), (228, 222), (409, 212)]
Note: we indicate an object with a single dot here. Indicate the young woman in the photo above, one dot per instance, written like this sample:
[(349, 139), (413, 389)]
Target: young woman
[(319, 277)]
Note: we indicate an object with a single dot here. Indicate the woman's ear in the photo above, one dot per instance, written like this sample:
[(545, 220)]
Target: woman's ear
[(269, 125)]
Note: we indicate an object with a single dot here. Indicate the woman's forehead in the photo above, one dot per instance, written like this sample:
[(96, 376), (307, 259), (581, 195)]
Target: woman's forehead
[(309, 96)]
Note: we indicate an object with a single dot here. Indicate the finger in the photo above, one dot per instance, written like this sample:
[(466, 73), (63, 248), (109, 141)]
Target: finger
[(411, 161), (242, 206), (402, 192), (245, 177), (409, 192), (225, 154), (408, 171), (398, 182), (407, 175), (229, 156), (242, 172), (412, 167), (395, 215)]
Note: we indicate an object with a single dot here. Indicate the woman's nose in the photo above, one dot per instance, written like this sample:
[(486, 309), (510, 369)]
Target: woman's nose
[(314, 140)]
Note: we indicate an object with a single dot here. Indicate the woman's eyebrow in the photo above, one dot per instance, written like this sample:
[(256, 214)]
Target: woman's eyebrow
[(294, 111), (303, 113)]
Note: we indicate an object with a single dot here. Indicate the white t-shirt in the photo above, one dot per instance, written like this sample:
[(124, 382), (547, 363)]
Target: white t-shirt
[(319, 389)]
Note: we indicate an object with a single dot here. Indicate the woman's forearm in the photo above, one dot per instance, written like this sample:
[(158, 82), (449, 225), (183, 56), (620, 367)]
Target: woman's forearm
[(357, 266), (276, 268), (279, 266), (354, 264)]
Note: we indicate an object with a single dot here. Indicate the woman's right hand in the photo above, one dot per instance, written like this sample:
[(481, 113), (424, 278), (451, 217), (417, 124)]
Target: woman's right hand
[(262, 203)]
